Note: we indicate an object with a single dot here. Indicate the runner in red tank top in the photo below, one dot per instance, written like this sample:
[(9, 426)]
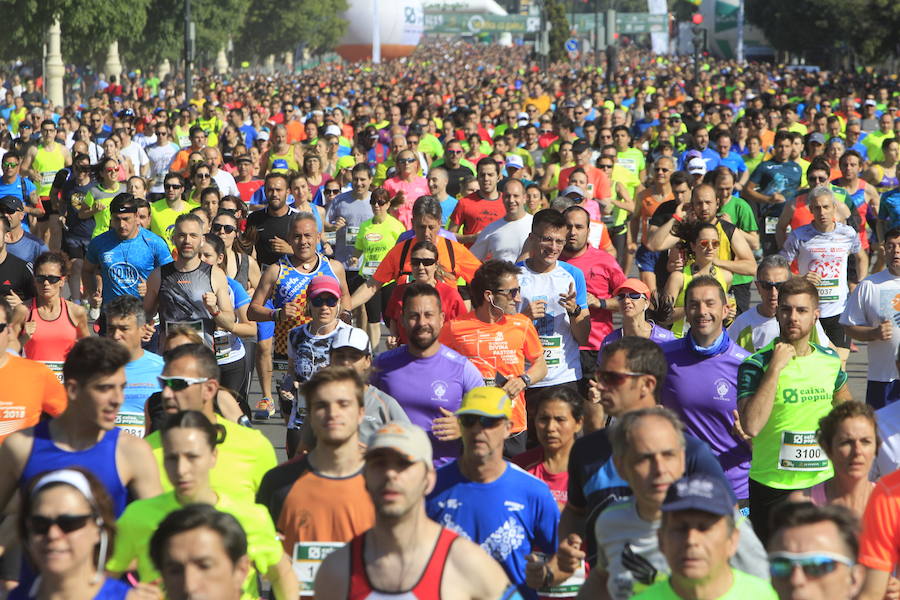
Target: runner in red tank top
[(406, 555)]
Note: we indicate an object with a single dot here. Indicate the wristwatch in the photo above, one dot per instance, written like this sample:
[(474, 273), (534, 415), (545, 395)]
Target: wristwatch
[(573, 314), (524, 377)]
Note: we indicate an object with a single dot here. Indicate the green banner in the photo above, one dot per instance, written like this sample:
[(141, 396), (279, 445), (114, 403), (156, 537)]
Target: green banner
[(473, 24)]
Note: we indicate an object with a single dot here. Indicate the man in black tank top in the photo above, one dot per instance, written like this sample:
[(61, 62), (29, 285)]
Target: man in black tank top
[(189, 290), (271, 224)]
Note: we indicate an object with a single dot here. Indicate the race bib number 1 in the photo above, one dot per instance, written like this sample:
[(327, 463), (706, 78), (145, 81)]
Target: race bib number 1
[(308, 557), (801, 452)]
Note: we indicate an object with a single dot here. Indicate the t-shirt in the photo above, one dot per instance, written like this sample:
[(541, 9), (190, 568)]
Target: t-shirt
[(532, 461), (475, 213), (411, 192), (28, 247), (16, 275), (751, 331), (463, 263), (632, 159), (825, 253), (15, 189), (100, 194), (374, 241), (734, 162), (702, 391), (773, 177), (624, 538), (744, 586), (502, 239), (452, 306), (162, 218), (160, 157), (142, 517), (307, 506), (423, 386), (879, 543), (268, 227), (888, 418), (877, 299), (602, 275), (509, 517), (786, 454), (244, 458), (554, 328), (354, 212), (594, 483), (126, 263), (889, 209), (29, 388), (648, 203), (499, 351), (598, 182), (141, 383)]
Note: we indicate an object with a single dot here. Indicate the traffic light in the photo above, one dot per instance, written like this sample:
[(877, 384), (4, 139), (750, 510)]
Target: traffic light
[(697, 31)]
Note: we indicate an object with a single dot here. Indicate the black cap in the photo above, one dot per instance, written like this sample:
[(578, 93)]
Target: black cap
[(699, 492), (11, 204), (243, 159), (580, 146)]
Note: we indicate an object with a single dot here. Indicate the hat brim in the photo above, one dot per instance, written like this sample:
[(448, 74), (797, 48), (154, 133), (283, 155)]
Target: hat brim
[(700, 504), (482, 413)]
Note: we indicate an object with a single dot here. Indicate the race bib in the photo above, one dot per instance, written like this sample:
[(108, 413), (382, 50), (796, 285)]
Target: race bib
[(771, 224), (568, 588), (329, 237), (829, 290), (56, 366), (133, 423), (308, 557), (801, 452), (368, 267), (553, 350), (47, 177), (350, 235), (222, 344)]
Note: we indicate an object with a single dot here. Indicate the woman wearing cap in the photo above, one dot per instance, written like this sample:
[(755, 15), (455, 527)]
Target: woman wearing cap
[(189, 443), (68, 529), (308, 348), (634, 300), (425, 269), (702, 241)]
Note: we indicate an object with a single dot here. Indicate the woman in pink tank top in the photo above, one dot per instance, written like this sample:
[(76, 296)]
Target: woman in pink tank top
[(52, 324)]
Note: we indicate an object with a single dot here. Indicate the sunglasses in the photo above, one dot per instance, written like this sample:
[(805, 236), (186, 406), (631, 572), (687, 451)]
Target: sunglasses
[(453, 152), (615, 378), (708, 244), (179, 383), (10, 165), (422, 262), (379, 202), (770, 285), (468, 421), (331, 191), (605, 166), (819, 179), (173, 186), (66, 523), (662, 170), (202, 175), (630, 296), (324, 300), (219, 227), (48, 278), (814, 564), (406, 160), (511, 292)]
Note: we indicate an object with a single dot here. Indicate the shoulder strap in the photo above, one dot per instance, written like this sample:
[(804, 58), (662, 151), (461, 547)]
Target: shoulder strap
[(451, 254), (404, 252)]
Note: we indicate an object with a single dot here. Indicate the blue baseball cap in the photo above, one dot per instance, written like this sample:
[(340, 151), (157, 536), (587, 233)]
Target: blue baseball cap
[(699, 492)]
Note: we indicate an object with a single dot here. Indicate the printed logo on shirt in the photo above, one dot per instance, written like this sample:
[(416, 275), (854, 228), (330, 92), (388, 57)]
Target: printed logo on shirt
[(438, 390), (722, 387), (513, 506), (124, 274)]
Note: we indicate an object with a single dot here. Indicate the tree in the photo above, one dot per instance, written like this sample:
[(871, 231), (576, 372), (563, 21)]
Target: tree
[(273, 26), (88, 27), (559, 29), (215, 20)]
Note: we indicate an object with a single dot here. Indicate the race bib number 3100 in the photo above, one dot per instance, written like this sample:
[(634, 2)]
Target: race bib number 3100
[(801, 452)]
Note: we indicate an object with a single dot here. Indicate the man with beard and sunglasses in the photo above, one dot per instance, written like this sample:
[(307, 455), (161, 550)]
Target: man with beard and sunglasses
[(505, 510), (427, 378)]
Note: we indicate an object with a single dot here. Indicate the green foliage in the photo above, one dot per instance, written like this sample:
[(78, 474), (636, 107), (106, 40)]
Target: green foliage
[(826, 28), (559, 29), (88, 27), (274, 26)]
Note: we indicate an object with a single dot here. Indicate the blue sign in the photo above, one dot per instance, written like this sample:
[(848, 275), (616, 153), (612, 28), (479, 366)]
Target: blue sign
[(571, 45)]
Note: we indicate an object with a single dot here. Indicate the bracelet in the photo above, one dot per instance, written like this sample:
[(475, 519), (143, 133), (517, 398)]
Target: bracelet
[(215, 314), (677, 218), (602, 303)]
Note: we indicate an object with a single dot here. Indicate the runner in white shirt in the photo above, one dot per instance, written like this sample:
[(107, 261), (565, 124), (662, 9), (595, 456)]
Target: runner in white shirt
[(161, 155), (224, 180), (554, 297), (873, 315), (503, 239), (822, 249)]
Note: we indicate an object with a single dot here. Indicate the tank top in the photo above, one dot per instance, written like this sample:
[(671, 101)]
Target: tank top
[(288, 157), (290, 286), (242, 273), (99, 458), (885, 181), (181, 298), (678, 327), (427, 588), (858, 197), (48, 163), (51, 340)]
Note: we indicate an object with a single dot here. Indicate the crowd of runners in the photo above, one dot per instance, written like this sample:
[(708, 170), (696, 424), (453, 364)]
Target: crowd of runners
[(506, 315)]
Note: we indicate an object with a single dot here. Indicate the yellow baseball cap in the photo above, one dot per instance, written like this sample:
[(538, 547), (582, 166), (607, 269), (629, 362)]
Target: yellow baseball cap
[(487, 402)]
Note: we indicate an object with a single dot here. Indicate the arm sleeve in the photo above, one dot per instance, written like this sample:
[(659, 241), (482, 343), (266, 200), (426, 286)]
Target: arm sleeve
[(841, 380), (854, 313), (878, 542), (749, 375), (532, 343)]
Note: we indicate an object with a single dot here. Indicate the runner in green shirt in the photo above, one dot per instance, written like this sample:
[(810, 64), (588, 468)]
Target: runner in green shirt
[(783, 391), (189, 448)]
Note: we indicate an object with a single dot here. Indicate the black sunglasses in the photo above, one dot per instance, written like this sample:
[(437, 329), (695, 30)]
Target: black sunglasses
[(323, 300), (631, 295), (615, 378), (379, 202), (46, 278), (67, 523), (406, 160), (422, 262), (485, 422), (219, 227), (770, 285), (331, 191), (172, 186)]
